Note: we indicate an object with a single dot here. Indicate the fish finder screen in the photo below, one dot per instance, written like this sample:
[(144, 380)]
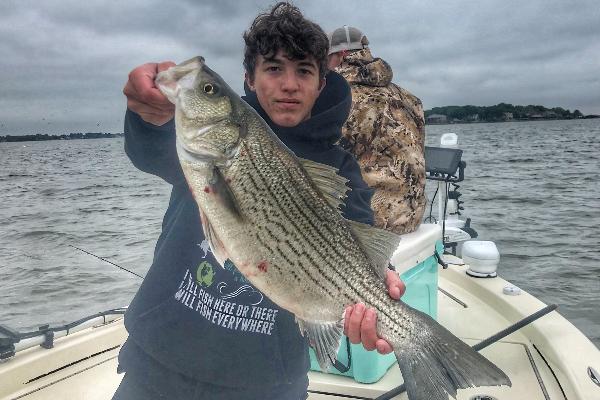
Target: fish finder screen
[(440, 160)]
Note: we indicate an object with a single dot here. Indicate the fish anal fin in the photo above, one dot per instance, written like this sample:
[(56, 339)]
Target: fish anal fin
[(324, 337)]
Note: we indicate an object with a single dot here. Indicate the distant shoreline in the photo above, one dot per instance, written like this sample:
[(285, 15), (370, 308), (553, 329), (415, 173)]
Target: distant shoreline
[(512, 120), (501, 112), (71, 136)]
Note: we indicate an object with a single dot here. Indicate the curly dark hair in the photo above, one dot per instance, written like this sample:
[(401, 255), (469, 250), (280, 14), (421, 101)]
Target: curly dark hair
[(285, 28)]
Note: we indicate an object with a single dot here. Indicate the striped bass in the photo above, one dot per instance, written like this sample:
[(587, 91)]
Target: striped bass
[(277, 218)]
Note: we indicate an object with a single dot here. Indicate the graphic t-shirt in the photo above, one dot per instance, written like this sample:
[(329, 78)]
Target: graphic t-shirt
[(224, 297)]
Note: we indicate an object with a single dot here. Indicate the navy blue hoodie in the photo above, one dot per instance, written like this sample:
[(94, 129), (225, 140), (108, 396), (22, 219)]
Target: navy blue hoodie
[(207, 322)]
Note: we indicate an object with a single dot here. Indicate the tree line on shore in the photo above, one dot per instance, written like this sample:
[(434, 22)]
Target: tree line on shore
[(499, 112), (69, 136)]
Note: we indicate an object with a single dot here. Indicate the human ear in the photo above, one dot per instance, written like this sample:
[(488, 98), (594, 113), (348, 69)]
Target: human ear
[(322, 83), (334, 60), (249, 81)]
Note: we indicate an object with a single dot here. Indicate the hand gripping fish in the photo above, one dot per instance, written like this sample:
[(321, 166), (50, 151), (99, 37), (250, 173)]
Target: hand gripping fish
[(277, 218)]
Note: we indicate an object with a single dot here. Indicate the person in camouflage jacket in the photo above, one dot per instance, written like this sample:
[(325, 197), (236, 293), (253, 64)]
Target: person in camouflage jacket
[(385, 132)]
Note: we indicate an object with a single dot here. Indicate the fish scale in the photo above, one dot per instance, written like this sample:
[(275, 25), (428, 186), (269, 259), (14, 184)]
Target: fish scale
[(360, 282), (264, 162), (276, 217), (298, 195), (265, 165)]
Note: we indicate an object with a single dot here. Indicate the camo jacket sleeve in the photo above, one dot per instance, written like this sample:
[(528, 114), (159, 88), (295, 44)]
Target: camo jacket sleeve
[(151, 148)]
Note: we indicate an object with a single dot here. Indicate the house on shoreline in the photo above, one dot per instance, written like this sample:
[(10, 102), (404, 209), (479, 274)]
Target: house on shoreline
[(436, 119)]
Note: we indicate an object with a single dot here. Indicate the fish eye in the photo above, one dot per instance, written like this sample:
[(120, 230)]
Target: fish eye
[(208, 88)]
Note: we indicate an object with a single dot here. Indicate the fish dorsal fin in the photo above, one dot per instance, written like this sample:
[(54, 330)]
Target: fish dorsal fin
[(332, 185), (378, 244), (324, 337)]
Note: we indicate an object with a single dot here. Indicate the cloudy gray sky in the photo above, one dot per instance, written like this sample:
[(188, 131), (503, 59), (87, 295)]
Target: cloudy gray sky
[(63, 63)]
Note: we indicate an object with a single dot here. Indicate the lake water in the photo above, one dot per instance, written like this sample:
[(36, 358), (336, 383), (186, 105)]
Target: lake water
[(532, 187)]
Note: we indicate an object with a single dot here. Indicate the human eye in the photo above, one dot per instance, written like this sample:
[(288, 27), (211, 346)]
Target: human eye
[(306, 72), (306, 69), (272, 68)]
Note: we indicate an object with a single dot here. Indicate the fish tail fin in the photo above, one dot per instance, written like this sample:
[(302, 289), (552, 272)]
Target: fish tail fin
[(442, 363)]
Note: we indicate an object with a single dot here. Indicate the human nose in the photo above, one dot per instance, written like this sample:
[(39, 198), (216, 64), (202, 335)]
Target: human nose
[(290, 82)]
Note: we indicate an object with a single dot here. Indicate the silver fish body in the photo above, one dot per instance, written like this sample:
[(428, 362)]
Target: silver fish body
[(277, 218)]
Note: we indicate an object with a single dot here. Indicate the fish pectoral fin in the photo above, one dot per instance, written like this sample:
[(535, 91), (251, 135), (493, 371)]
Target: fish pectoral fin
[(327, 180), (378, 244), (216, 245), (324, 337), (224, 195)]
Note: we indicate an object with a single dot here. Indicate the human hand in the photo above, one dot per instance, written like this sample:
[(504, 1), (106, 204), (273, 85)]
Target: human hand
[(360, 323), (144, 98)]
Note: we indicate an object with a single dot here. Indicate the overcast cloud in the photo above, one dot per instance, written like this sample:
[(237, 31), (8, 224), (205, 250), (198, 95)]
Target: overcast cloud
[(63, 63)]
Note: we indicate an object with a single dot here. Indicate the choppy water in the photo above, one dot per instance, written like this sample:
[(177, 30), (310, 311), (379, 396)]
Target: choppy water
[(532, 187)]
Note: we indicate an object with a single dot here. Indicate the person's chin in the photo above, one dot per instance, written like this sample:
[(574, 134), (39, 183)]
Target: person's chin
[(287, 121)]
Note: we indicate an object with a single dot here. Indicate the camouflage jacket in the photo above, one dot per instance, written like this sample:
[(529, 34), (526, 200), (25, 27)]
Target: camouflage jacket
[(386, 133)]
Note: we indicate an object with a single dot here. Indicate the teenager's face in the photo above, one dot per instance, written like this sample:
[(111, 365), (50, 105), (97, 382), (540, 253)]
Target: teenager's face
[(286, 89)]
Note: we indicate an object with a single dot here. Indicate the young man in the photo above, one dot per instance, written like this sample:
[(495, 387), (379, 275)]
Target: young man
[(385, 132), (200, 331)]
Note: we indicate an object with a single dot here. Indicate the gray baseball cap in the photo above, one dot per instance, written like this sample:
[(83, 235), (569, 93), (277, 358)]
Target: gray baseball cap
[(347, 38)]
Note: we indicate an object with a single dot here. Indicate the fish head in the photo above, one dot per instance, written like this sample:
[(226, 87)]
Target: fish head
[(208, 113)]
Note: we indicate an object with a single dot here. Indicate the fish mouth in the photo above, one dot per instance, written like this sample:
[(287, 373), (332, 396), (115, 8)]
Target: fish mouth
[(169, 82), (167, 86)]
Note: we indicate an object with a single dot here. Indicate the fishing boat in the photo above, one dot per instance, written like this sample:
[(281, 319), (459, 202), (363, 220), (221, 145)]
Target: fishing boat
[(449, 274)]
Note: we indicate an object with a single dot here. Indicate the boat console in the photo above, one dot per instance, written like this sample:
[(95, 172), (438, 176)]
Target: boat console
[(444, 164)]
